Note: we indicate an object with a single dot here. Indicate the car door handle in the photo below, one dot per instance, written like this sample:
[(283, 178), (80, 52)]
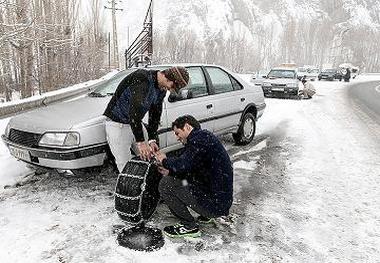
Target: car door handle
[(209, 106), (242, 99)]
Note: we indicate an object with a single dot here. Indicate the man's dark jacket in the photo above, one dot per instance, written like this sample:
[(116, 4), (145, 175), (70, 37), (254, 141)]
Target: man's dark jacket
[(137, 94), (209, 165)]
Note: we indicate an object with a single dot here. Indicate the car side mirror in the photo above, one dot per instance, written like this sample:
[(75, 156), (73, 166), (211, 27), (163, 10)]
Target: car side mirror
[(183, 94)]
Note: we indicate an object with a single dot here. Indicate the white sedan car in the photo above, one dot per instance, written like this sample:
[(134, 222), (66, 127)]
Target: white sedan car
[(71, 135)]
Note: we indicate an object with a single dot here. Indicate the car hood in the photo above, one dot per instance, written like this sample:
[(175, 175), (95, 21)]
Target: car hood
[(61, 116), (280, 81), (327, 73)]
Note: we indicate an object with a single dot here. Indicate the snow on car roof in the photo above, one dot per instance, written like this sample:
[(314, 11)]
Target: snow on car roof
[(284, 68)]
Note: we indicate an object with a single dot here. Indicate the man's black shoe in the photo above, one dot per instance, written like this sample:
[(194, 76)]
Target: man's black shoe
[(205, 220), (179, 230)]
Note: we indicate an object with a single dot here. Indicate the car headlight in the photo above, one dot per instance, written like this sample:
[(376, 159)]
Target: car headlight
[(266, 84), (63, 139), (292, 85), (6, 132)]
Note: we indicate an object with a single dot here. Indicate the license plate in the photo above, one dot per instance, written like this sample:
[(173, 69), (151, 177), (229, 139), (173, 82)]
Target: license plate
[(278, 89), (19, 153)]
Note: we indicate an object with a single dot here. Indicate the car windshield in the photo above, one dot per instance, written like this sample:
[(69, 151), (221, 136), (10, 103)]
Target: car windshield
[(301, 69), (277, 73), (108, 88), (329, 70), (314, 70)]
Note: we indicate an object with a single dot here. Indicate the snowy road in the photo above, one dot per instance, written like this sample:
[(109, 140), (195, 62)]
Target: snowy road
[(367, 95), (306, 190)]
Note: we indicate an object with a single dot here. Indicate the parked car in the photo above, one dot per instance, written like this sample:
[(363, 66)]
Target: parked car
[(258, 77), (282, 82), (310, 72), (71, 135), (330, 74)]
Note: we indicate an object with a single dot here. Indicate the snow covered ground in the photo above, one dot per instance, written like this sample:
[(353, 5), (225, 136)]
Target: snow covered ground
[(307, 189)]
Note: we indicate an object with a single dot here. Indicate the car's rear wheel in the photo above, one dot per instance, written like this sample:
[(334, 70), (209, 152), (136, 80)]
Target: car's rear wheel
[(246, 130)]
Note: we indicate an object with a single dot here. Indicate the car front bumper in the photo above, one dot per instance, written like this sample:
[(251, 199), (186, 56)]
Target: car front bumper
[(82, 157), (328, 77), (280, 92)]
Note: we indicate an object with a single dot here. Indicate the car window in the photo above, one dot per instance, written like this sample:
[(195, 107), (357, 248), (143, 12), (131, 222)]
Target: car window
[(236, 85), (197, 83), (220, 80), (278, 73)]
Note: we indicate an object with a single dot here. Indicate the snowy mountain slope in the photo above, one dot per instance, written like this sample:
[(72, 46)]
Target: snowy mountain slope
[(218, 15), (303, 31)]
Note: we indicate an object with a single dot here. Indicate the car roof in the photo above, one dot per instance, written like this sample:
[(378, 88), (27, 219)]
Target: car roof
[(184, 65), (284, 68), (191, 65)]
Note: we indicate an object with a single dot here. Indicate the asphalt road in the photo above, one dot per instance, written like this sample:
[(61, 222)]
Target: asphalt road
[(367, 96)]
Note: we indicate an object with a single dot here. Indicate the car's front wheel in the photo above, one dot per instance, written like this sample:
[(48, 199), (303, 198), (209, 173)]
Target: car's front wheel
[(246, 130)]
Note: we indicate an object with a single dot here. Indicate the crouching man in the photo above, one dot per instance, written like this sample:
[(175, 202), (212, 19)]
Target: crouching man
[(200, 178)]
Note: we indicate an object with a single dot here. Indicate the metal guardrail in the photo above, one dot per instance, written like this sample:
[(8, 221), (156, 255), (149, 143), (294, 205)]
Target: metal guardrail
[(44, 100)]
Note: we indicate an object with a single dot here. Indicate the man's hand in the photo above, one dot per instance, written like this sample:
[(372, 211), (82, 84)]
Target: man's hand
[(144, 150), (153, 145), (160, 156), (162, 170)]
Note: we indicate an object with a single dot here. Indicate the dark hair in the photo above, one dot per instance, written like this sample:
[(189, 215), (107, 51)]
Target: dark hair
[(179, 75), (180, 122)]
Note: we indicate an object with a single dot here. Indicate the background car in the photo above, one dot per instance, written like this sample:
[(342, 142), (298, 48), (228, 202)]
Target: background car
[(259, 76), (311, 72), (71, 135), (282, 82), (330, 74)]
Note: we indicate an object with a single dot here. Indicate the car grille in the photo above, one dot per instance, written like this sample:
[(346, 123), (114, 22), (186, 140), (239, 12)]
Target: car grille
[(24, 138), (279, 85)]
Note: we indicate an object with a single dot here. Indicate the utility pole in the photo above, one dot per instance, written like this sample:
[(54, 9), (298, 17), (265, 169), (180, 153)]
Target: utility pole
[(114, 31)]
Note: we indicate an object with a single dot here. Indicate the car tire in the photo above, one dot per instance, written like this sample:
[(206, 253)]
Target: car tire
[(246, 130)]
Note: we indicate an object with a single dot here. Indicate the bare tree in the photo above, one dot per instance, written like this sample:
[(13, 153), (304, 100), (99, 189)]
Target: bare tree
[(44, 45)]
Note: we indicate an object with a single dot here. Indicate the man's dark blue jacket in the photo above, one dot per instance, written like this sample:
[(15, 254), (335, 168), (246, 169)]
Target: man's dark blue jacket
[(210, 169), (137, 94)]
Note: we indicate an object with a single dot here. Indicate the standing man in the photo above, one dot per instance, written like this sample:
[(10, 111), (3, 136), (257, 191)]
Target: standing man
[(347, 76), (207, 169), (140, 92)]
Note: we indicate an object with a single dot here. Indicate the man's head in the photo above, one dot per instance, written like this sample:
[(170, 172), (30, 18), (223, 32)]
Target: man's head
[(173, 78), (183, 126)]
